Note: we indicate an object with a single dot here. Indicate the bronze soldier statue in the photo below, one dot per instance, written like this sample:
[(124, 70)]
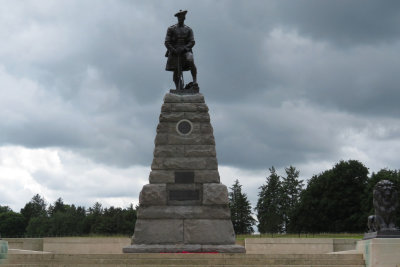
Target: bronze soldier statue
[(179, 42)]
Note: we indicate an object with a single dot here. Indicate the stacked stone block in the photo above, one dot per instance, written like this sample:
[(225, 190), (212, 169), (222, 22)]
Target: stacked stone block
[(185, 207)]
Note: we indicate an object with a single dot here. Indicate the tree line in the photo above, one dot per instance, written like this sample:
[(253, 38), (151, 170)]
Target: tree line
[(37, 219), (335, 201)]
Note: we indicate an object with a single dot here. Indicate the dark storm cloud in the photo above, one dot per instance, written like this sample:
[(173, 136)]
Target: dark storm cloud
[(361, 80), (343, 22), (264, 136), (89, 76)]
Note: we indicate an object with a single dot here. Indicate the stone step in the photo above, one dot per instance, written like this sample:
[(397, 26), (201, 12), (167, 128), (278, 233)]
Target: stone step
[(184, 256), (125, 265), (148, 260), (79, 262), (199, 261), (205, 261)]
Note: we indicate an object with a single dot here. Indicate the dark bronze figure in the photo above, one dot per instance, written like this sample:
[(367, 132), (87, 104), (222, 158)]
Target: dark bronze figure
[(383, 223), (385, 204), (179, 42)]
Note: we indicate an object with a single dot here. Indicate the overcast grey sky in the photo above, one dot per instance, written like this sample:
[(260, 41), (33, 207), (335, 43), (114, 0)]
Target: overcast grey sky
[(302, 83)]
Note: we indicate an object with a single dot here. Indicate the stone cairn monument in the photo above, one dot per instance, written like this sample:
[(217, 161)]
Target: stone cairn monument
[(184, 208)]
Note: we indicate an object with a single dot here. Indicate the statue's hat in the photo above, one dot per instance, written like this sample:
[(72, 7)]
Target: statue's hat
[(181, 13)]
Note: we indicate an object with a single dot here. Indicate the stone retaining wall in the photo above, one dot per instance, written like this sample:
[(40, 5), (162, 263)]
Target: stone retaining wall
[(297, 245), (35, 244)]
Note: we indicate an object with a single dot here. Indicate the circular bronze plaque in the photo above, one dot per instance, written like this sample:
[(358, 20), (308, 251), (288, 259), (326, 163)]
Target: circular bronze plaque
[(184, 127)]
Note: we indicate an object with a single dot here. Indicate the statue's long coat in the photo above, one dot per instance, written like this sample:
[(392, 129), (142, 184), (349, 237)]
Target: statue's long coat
[(178, 37)]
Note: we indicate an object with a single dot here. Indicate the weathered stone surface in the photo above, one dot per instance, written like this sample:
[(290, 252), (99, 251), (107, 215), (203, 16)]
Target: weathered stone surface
[(192, 139), (184, 107), (182, 247), (170, 128), (197, 117), (184, 212), (191, 116), (161, 177), (177, 248), (161, 139), (184, 163), (171, 116), (206, 176), (192, 107), (199, 151), (153, 194), (166, 107), (223, 248), (169, 151), (206, 231), (144, 248), (173, 98), (184, 208), (211, 164), (206, 128), (215, 194), (171, 248), (160, 231), (163, 127)]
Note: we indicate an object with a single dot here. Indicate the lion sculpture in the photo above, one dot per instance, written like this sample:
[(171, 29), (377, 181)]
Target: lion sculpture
[(385, 205)]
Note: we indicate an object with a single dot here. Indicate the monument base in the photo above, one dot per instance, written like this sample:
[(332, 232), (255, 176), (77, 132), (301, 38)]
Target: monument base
[(382, 234), (179, 248), (380, 252), (190, 91)]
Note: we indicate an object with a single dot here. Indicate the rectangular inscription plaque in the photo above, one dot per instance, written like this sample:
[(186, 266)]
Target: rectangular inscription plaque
[(184, 177), (182, 195)]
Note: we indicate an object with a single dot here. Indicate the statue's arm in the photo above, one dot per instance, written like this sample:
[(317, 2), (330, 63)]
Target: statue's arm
[(168, 40), (191, 41)]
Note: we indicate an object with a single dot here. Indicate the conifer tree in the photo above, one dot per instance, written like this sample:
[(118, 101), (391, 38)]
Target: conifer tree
[(292, 187), (269, 205), (240, 210)]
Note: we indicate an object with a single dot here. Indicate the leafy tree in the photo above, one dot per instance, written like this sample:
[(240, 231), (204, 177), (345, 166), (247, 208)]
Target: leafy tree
[(4, 209), (38, 227), (291, 187), (333, 200), (63, 220), (130, 217), (269, 205), (66, 219), (111, 220), (128, 220), (92, 222), (12, 224), (240, 210), (34, 208), (58, 206)]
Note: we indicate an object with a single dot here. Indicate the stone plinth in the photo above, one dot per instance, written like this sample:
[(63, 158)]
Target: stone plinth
[(383, 234), (184, 207), (380, 252), (297, 245), (3, 250)]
